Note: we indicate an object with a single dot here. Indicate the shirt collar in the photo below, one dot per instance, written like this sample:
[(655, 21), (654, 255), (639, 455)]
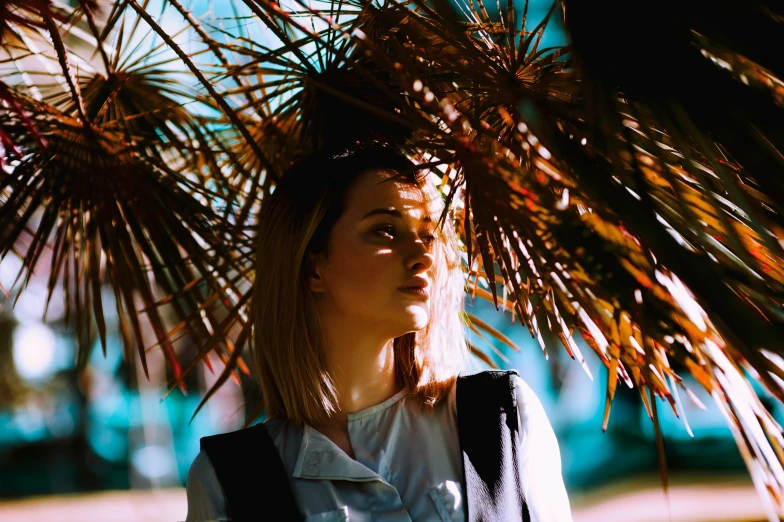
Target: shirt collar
[(378, 408), (320, 458)]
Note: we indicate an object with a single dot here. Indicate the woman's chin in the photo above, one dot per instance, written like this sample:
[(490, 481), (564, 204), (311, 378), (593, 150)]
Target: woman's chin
[(417, 317)]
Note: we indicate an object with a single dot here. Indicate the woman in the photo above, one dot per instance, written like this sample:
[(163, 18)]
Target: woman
[(357, 348)]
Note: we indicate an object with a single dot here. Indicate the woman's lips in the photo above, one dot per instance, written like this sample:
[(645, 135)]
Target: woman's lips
[(417, 292)]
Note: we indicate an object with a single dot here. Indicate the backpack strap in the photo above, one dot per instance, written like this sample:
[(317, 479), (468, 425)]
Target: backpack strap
[(488, 430), (249, 470)]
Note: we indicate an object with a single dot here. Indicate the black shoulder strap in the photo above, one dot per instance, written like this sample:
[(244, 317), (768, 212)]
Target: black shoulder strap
[(252, 475), (488, 431)]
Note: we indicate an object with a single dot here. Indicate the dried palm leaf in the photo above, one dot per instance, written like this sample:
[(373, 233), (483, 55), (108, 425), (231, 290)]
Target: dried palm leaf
[(623, 185)]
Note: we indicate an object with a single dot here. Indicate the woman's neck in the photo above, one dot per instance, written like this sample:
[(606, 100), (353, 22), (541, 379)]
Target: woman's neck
[(362, 367), (363, 375), (363, 372)]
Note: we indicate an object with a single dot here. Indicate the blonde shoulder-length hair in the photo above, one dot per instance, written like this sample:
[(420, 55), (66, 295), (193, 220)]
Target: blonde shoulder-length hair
[(287, 348)]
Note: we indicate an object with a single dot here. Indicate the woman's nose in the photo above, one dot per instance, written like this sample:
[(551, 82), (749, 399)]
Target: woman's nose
[(420, 255)]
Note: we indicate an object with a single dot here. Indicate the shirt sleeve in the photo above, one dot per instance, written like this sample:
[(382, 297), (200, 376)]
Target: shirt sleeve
[(206, 502), (540, 460)]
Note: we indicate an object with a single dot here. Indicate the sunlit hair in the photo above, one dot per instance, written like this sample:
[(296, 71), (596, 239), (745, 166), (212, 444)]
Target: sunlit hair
[(288, 348)]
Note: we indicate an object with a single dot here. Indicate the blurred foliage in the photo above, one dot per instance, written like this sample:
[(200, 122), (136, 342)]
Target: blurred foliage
[(627, 184)]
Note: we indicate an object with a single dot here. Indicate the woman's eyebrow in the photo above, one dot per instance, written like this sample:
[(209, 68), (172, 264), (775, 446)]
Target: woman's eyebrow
[(389, 212)]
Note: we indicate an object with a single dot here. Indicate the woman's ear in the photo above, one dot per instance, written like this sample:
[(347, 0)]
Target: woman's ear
[(314, 264)]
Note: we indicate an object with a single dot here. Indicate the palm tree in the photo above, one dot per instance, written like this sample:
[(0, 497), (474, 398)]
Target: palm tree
[(626, 184)]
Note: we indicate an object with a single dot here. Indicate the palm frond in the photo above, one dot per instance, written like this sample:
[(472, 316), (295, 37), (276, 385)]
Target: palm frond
[(625, 185)]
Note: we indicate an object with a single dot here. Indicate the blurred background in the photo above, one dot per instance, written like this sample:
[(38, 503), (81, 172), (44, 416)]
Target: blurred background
[(100, 444)]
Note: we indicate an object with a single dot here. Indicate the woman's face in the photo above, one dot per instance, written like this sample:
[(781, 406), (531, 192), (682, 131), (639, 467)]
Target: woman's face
[(382, 242)]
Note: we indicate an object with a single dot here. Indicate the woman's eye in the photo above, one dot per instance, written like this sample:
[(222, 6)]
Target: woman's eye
[(429, 238), (385, 231), (390, 231)]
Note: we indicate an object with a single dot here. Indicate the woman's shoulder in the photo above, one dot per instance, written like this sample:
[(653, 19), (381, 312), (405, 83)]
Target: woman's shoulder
[(276, 427), (529, 407), (201, 467), (523, 391), (205, 496), (206, 499), (521, 388)]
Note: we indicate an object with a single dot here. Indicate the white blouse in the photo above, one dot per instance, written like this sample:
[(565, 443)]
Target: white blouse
[(408, 467)]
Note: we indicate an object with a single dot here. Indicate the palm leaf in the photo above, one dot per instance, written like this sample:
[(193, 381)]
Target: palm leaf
[(625, 186)]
